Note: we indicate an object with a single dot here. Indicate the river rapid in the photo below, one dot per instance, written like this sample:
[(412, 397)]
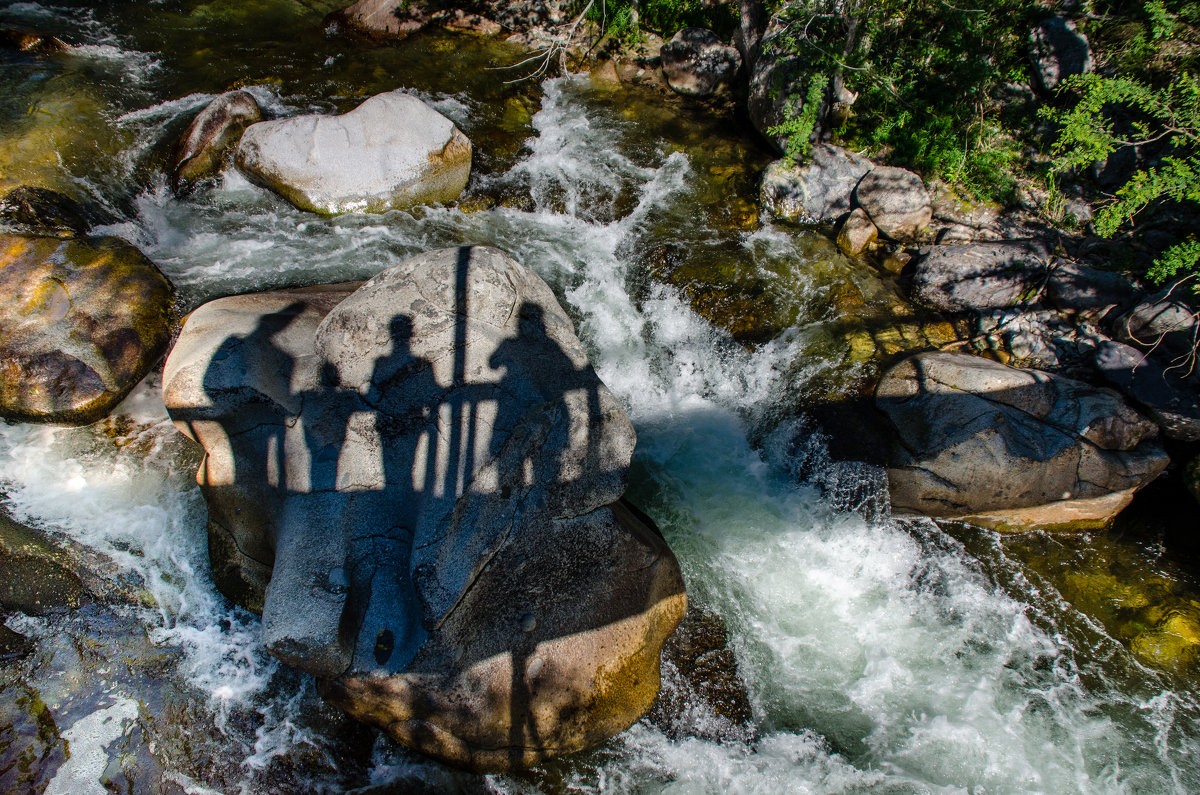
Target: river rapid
[(878, 656)]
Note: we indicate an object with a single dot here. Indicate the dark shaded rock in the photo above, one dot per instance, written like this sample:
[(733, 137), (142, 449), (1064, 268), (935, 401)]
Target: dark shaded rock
[(1166, 395), (81, 322), (896, 202), (981, 276), (817, 191), (1079, 288), (425, 474), (1165, 322), (700, 675), (1058, 51), (1009, 448), (778, 84), (696, 62), (207, 144), (40, 211)]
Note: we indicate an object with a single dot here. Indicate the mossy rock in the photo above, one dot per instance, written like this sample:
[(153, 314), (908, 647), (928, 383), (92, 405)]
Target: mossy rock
[(81, 323), (38, 576)]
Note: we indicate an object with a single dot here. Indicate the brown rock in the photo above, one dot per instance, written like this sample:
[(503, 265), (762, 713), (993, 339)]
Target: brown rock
[(206, 145), (81, 322), (857, 233)]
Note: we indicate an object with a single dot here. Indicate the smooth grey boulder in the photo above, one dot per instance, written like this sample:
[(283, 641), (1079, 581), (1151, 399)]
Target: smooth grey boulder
[(896, 201), (1011, 448), (419, 483), (1058, 51), (816, 191), (697, 63), (204, 147), (391, 152), (1171, 399), (981, 276)]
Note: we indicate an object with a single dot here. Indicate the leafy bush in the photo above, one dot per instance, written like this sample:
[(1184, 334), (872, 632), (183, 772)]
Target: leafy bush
[(1153, 99)]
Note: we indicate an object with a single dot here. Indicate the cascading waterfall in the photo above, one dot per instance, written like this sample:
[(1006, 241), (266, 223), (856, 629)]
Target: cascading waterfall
[(878, 655)]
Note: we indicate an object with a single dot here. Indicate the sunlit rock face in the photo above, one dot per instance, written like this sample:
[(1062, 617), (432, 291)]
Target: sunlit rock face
[(391, 152), (81, 322), (1010, 448), (418, 482)]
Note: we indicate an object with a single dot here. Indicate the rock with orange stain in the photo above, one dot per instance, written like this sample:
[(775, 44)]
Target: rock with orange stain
[(81, 322)]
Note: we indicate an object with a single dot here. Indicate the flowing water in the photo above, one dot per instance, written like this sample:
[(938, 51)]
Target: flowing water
[(876, 655)]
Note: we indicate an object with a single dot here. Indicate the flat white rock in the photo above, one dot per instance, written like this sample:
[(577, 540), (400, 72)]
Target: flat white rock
[(392, 151)]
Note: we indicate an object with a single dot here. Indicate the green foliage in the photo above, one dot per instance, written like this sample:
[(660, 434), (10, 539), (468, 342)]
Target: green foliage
[(664, 17), (927, 75), (1157, 107), (801, 120)]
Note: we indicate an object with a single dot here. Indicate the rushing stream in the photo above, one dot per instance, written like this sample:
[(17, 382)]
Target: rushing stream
[(878, 655)]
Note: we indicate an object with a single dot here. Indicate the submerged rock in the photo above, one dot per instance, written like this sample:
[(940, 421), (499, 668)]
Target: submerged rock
[(1009, 448), (205, 146), (40, 211), (392, 151), (425, 475), (37, 575), (817, 191), (81, 322), (696, 62)]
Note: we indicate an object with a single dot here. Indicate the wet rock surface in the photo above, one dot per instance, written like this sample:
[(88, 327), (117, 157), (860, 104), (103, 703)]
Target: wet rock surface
[(40, 211), (205, 147), (81, 322), (1011, 448), (391, 152), (425, 475)]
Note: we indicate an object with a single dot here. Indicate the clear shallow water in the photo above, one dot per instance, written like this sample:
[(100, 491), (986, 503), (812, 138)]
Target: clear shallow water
[(877, 656)]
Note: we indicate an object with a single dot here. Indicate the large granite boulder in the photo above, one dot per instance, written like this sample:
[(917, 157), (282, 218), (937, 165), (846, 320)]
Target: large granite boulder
[(383, 19), (392, 151), (696, 62), (981, 276), (816, 191), (896, 201), (419, 484), (1009, 448), (204, 147), (82, 321)]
